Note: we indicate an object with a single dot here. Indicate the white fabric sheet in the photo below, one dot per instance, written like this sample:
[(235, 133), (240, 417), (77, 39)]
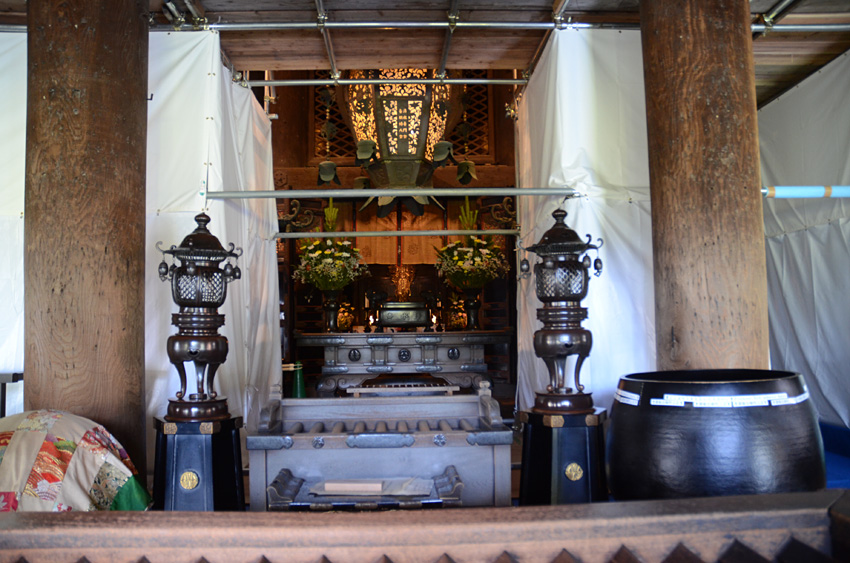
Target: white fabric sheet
[(207, 133), (582, 124), (204, 133), (804, 139), (13, 103)]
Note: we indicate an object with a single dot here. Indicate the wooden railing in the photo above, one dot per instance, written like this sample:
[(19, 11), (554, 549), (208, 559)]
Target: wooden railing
[(797, 527)]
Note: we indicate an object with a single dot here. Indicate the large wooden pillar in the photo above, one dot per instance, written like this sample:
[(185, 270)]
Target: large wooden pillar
[(85, 212), (707, 225)]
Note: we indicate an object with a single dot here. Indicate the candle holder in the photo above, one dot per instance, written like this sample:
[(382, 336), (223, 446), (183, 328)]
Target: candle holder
[(199, 287)]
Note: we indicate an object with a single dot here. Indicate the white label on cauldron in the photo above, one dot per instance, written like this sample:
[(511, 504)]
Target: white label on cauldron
[(732, 401), (626, 397), (791, 400)]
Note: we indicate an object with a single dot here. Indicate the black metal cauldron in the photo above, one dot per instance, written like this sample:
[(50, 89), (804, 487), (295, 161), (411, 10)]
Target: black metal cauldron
[(699, 433)]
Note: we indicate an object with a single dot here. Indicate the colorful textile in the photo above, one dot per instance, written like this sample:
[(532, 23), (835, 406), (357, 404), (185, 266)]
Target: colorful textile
[(55, 461)]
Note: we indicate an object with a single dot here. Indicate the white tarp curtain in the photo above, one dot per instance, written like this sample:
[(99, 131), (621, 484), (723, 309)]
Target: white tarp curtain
[(13, 103), (204, 133), (804, 139), (582, 124)]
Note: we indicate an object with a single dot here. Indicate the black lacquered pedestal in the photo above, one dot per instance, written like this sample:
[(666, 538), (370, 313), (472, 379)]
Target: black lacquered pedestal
[(198, 466), (563, 458)]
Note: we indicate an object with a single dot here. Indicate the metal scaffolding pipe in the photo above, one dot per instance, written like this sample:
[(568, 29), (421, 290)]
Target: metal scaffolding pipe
[(557, 18), (801, 28), (403, 233), (447, 42), (783, 192), (767, 191), (379, 81), (777, 11), (392, 192), (281, 26), (321, 22)]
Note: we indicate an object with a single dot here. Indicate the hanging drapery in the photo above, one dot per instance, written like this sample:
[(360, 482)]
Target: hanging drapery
[(13, 100), (392, 250), (207, 133), (420, 250), (204, 132), (377, 250), (582, 124), (804, 139)]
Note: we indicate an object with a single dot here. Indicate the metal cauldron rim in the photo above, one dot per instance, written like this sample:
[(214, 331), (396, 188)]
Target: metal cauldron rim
[(717, 376)]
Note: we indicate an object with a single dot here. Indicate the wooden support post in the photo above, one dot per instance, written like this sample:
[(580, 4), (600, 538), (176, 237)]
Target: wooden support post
[(294, 123), (707, 224), (85, 212)]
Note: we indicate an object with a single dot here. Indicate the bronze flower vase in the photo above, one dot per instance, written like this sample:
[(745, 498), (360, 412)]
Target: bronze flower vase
[(471, 306), (330, 306)]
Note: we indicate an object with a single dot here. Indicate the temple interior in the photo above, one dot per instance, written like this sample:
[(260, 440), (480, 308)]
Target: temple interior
[(453, 281)]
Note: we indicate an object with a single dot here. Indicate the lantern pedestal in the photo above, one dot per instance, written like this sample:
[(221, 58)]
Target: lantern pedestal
[(559, 403), (197, 409), (198, 466), (563, 458)]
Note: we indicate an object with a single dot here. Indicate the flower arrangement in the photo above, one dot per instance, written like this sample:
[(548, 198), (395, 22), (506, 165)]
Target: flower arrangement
[(329, 264), (473, 262)]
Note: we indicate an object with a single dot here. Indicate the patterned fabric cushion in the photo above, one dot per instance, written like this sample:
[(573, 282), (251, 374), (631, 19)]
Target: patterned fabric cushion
[(56, 461)]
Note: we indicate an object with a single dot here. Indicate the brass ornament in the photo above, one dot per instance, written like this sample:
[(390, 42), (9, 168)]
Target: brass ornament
[(553, 421), (574, 472), (189, 480)]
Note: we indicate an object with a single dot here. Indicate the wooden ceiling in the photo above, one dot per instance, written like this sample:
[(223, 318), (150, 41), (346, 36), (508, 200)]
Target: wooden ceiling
[(782, 59)]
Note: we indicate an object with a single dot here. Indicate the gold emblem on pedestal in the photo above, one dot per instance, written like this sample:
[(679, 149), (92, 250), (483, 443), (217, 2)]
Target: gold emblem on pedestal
[(189, 480), (574, 472)]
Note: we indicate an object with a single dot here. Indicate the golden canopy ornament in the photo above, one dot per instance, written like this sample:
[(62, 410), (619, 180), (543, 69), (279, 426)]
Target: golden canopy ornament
[(399, 128)]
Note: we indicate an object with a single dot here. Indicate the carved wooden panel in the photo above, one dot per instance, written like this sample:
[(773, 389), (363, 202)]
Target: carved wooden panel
[(789, 527)]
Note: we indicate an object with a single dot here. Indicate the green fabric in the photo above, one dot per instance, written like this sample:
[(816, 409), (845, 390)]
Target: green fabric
[(132, 496)]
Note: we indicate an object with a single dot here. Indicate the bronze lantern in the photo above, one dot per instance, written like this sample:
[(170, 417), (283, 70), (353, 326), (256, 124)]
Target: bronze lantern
[(563, 450), (199, 287), (561, 283)]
